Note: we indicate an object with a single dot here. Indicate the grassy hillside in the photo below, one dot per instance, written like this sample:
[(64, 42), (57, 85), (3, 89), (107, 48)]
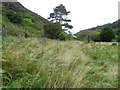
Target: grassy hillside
[(95, 31), (113, 25), (0, 19), (58, 64), (33, 30), (32, 63), (83, 35)]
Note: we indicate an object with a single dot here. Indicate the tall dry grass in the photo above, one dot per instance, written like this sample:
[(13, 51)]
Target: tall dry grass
[(58, 64)]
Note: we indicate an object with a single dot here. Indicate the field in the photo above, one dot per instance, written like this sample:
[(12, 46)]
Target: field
[(28, 63)]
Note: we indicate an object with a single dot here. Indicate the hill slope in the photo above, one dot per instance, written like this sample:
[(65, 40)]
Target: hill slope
[(35, 29), (113, 25), (94, 32), (27, 63)]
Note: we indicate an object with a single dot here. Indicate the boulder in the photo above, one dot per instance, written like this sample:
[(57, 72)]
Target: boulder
[(114, 44)]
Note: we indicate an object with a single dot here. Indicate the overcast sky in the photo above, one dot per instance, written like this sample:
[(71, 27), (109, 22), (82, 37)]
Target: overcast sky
[(84, 13)]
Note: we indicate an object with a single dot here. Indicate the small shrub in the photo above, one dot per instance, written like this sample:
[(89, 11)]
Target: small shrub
[(27, 21), (118, 38), (62, 36), (69, 36), (96, 38)]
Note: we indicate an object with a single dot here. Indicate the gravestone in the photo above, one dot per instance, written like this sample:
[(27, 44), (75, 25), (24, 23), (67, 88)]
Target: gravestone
[(4, 31)]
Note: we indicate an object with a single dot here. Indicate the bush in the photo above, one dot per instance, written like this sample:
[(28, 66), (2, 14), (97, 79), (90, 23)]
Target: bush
[(13, 17), (65, 36), (52, 30), (96, 38), (27, 21), (62, 36), (118, 38), (69, 36), (107, 34)]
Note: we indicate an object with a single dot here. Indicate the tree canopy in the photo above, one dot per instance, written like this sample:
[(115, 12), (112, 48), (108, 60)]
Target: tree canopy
[(107, 34), (52, 30), (60, 15)]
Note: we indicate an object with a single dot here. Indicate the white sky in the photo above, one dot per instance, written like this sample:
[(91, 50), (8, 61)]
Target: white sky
[(84, 13)]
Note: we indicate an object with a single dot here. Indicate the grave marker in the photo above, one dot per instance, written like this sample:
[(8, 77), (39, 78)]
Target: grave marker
[(4, 31)]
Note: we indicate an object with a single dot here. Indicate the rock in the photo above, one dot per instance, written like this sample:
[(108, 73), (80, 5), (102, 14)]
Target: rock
[(18, 35), (42, 40), (114, 44)]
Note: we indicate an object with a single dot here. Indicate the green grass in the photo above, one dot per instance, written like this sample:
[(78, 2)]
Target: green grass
[(58, 64), (0, 21), (15, 29)]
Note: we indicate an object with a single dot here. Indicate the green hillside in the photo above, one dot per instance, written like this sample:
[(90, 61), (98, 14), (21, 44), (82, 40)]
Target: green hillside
[(95, 31), (52, 62), (13, 28), (114, 25), (83, 35)]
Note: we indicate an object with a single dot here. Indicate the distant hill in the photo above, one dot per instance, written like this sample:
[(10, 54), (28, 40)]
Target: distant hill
[(34, 29), (94, 31), (83, 35), (114, 25)]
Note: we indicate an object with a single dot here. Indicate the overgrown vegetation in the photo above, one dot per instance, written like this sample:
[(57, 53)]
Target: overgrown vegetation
[(83, 35), (62, 36), (13, 17), (65, 36), (19, 20), (57, 61), (58, 64), (107, 34), (52, 30)]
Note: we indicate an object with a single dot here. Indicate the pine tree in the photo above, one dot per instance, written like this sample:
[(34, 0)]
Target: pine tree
[(60, 15)]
